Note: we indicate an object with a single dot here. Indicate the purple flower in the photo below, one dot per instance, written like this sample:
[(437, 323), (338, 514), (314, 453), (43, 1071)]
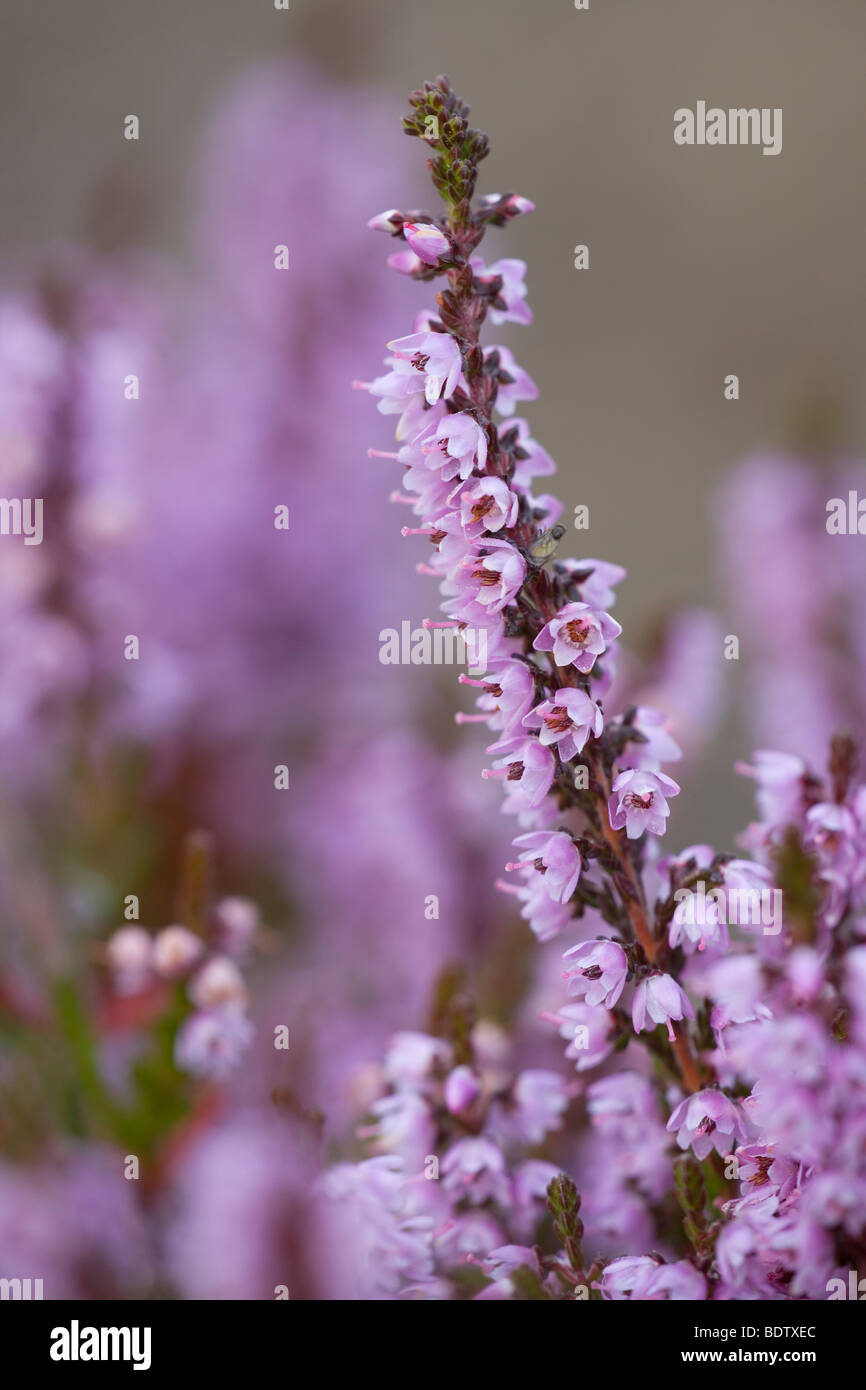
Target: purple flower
[(780, 785), (520, 387), (598, 971), (705, 1121), (577, 635), (539, 1100), (588, 1031), (462, 1089), (413, 1059), (435, 357), (508, 691), (211, 1043), (454, 445), (130, 956), (660, 997), (660, 745), (475, 1169), (639, 803), (528, 764), (175, 950), (487, 506), (512, 293), (627, 1277)]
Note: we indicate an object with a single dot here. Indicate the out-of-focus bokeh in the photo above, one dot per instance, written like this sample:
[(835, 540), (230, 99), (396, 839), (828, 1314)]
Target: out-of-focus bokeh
[(703, 261)]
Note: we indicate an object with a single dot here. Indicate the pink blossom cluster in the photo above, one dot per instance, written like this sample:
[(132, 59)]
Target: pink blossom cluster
[(216, 1033), (450, 1189)]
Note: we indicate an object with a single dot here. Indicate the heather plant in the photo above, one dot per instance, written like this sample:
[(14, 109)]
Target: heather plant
[(718, 1037)]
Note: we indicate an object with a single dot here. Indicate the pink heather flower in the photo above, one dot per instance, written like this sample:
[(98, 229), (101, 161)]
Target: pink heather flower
[(504, 1261), (428, 243), (488, 506), (546, 917), (588, 1032), (597, 589), (237, 921), (736, 983), (413, 1059), (577, 635), (805, 972), (662, 998), (533, 461), (521, 387), (679, 1282), (462, 1089), (597, 972), (705, 1121), (638, 802), (454, 445), (513, 290), (780, 785), (175, 950), (379, 1243), (660, 746), (475, 1169), (831, 829), (210, 1044), (434, 355), (468, 1235), (404, 1125), (493, 579), (760, 1170), (746, 875), (627, 1277), (508, 692), (701, 855), (528, 764), (398, 387), (700, 917), (567, 720), (540, 1099), (405, 262), (555, 857)]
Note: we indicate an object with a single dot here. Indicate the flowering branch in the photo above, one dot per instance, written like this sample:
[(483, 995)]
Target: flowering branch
[(762, 1084)]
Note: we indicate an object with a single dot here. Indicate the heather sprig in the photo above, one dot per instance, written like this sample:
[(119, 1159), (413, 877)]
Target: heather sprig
[(586, 785), (761, 1084)]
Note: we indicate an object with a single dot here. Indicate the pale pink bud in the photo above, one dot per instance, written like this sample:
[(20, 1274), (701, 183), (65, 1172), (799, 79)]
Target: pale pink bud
[(218, 982), (386, 221), (461, 1089), (129, 955), (175, 950), (427, 241), (237, 921)]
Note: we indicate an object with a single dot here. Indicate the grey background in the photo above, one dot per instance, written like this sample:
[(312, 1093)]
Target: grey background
[(703, 261)]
